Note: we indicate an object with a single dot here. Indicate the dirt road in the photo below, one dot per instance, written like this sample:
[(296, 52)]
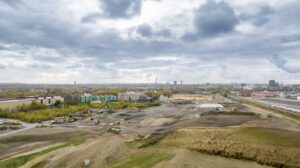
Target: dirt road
[(26, 126)]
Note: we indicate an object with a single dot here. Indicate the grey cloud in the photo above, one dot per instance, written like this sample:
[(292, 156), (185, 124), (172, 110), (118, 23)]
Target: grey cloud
[(30, 29), (34, 28), (90, 18), (2, 66), (211, 19), (283, 64), (121, 8), (12, 3), (260, 17), (291, 38), (144, 30), (164, 33)]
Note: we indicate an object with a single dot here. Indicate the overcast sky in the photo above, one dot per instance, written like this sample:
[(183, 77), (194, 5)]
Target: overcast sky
[(133, 41)]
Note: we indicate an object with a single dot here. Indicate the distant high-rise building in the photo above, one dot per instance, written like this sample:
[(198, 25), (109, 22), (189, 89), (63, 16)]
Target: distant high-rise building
[(75, 82), (272, 83), (175, 82)]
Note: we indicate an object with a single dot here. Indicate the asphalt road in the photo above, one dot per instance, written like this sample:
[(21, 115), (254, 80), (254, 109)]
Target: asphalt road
[(285, 104)]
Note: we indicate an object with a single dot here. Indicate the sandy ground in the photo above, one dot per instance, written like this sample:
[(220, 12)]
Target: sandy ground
[(192, 97)]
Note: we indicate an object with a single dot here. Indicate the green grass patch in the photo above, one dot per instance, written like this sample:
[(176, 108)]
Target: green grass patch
[(40, 164), (229, 113), (55, 137), (133, 144), (141, 160), (21, 160), (175, 117), (178, 117)]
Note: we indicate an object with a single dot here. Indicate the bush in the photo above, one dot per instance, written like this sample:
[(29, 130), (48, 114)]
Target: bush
[(33, 106), (44, 114), (97, 105), (123, 104), (58, 103)]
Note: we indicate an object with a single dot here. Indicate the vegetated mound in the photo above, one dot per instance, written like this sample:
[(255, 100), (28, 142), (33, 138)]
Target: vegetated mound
[(187, 158), (272, 147)]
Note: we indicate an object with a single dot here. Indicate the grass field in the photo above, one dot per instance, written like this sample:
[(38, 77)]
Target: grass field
[(272, 147), (141, 160)]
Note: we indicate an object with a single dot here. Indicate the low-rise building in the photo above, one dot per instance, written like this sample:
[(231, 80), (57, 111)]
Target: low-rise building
[(144, 98), (265, 94), (103, 98), (212, 106), (130, 96), (163, 98), (49, 101)]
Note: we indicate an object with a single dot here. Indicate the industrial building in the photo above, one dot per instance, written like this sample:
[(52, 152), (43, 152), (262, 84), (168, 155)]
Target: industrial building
[(14, 103)]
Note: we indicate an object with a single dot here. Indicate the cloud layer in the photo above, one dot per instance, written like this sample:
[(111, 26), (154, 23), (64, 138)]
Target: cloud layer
[(212, 19), (101, 41)]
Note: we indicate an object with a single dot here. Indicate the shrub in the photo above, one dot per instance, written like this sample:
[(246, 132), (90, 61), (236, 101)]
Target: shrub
[(44, 114)]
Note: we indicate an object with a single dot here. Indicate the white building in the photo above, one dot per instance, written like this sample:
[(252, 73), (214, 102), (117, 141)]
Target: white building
[(248, 87), (213, 106), (129, 96), (163, 98)]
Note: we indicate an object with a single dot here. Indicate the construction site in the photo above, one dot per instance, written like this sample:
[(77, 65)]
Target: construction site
[(126, 137)]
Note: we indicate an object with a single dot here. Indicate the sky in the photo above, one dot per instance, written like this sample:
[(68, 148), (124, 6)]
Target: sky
[(135, 41)]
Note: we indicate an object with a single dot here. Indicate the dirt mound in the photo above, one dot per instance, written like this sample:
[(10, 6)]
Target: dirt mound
[(100, 152), (155, 121)]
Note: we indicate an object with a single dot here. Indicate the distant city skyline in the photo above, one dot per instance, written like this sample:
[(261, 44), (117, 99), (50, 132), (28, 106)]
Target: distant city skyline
[(137, 41)]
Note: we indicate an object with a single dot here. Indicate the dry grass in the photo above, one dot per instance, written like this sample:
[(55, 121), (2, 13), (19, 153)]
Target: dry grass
[(266, 146)]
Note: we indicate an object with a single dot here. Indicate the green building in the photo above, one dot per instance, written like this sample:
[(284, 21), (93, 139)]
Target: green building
[(104, 98)]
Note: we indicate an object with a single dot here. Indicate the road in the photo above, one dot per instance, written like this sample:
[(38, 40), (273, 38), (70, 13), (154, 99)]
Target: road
[(26, 126), (291, 105), (266, 112)]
